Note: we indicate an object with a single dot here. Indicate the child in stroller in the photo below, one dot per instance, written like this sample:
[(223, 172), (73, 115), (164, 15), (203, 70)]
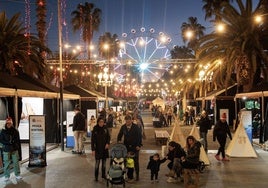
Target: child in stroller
[(117, 171)]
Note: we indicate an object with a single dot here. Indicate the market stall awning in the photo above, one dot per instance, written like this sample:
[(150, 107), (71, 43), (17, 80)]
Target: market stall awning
[(231, 91), (84, 94)]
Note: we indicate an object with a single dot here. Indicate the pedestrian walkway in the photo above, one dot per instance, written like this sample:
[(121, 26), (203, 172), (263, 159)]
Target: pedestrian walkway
[(67, 170)]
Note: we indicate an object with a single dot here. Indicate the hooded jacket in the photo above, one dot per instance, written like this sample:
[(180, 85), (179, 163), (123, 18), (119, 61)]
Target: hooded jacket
[(10, 139)]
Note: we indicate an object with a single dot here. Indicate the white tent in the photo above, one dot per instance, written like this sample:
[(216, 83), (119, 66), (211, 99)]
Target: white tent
[(240, 146), (177, 135), (203, 155), (159, 102)]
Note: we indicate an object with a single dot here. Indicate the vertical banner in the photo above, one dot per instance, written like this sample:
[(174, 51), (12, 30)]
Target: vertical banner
[(37, 144), (69, 129)]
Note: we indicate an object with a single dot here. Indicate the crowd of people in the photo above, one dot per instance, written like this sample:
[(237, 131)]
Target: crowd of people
[(131, 134)]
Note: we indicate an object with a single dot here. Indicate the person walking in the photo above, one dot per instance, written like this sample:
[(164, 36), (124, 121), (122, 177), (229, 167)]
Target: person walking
[(100, 142), (204, 125), (169, 116), (132, 140), (220, 132), (79, 128), (110, 121), (154, 166), (10, 139)]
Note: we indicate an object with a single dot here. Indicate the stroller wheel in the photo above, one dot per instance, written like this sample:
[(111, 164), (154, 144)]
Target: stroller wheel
[(201, 166)]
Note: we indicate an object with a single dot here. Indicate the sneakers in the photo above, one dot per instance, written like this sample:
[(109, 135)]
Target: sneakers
[(225, 159), (217, 157), (18, 177), (172, 180), (130, 180)]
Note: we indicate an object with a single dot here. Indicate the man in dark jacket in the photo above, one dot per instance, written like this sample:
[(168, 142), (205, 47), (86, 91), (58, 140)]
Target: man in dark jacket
[(204, 126), (132, 140), (79, 128), (10, 139), (175, 153)]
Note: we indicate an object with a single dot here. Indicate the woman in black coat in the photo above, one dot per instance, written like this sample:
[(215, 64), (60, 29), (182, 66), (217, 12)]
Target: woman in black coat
[(221, 130), (100, 142)]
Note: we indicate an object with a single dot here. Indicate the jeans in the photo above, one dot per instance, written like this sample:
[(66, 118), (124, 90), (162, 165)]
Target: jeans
[(203, 135), (78, 140), (15, 159)]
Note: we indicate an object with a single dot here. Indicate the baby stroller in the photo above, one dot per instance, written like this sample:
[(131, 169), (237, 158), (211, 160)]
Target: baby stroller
[(117, 172)]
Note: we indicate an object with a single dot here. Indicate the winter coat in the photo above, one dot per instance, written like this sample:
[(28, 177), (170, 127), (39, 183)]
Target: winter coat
[(100, 137), (110, 121), (204, 124), (154, 165), (10, 139), (178, 152), (221, 130), (193, 153), (132, 137), (79, 122)]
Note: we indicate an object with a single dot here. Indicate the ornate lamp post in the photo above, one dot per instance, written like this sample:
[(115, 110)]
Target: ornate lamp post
[(106, 80)]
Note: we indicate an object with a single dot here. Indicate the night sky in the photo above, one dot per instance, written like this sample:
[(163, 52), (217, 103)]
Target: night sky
[(118, 16)]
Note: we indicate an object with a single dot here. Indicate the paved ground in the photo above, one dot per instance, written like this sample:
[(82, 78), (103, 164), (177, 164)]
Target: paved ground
[(67, 170)]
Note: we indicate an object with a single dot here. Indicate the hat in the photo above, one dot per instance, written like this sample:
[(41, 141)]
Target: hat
[(9, 119), (223, 116)]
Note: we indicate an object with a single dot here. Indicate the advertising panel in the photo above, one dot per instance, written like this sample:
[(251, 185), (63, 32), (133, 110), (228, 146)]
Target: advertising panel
[(69, 129), (37, 144)]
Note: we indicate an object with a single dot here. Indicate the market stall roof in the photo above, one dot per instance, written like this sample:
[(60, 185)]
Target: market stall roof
[(218, 94), (84, 94), (49, 87), (100, 96), (23, 87)]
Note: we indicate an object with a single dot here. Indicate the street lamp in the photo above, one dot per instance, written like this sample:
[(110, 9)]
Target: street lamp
[(106, 80)]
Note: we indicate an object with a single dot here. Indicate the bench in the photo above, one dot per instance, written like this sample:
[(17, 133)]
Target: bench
[(191, 178), (161, 137)]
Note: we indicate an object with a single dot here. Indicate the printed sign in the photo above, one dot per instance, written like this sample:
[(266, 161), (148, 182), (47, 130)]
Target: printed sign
[(37, 144)]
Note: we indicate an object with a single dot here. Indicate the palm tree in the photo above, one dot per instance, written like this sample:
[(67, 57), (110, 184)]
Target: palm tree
[(86, 18), (15, 57), (239, 48), (212, 7), (41, 20), (111, 42), (196, 29)]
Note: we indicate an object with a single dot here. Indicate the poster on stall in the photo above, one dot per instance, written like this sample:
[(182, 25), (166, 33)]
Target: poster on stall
[(246, 120), (69, 129), (37, 138), (90, 123), (30, 106)]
